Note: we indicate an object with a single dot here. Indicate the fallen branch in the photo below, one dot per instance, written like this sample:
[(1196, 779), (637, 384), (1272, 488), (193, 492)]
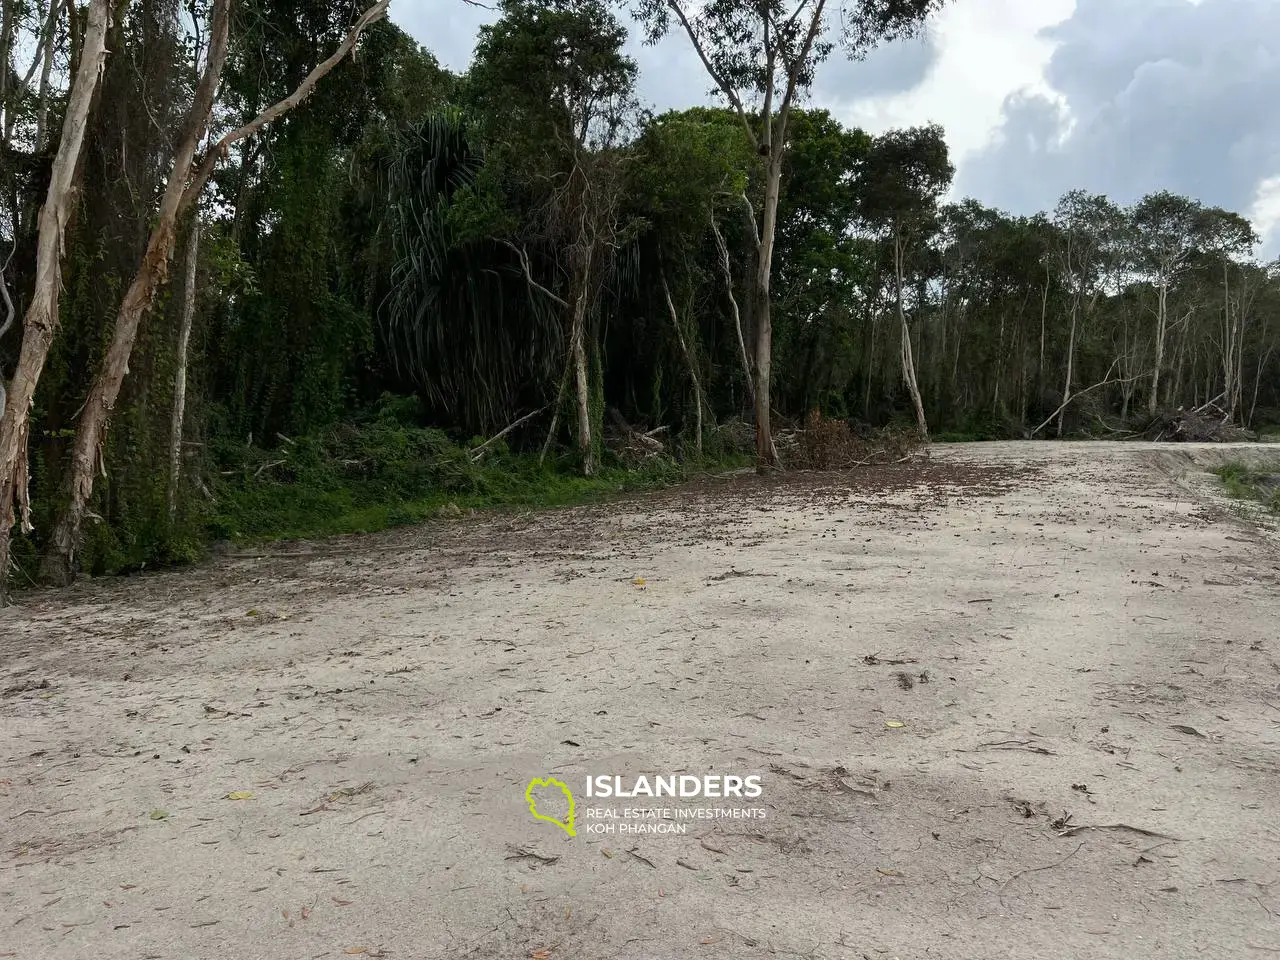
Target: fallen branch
[(1079, 394), (478, 452), (1072, 831)]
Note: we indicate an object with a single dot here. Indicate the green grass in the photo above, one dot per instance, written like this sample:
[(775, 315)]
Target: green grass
[(1243, 483), (384, 474)]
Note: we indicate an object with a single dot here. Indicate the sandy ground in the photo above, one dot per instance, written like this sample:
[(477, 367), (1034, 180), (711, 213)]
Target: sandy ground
[(1079, 755)]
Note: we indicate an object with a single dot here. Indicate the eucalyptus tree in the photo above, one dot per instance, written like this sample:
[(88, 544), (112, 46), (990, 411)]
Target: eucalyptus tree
[(41, 319), (762, 56), (902, 180), (1169, 228), (1228, 239), (1086, 228)]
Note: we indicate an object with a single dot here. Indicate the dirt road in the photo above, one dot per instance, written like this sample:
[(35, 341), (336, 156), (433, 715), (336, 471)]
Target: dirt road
[(1020, 701)]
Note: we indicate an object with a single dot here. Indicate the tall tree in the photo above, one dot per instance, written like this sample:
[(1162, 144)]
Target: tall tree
[(552, 78), (1169, 228), (187, 181), (41, 318), (903, 178), (762, 55)]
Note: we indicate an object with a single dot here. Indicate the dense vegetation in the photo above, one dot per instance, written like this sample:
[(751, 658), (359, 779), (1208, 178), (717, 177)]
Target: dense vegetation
[(411, 261)]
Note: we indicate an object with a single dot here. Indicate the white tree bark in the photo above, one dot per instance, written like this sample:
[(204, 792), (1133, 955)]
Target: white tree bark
[(180, 377), (42, 315)]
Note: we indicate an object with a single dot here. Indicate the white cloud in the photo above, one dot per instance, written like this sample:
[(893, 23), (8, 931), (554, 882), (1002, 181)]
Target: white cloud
[(1265, 214), (987, 50)]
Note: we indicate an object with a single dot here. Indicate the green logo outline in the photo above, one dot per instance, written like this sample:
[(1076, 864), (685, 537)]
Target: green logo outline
[(550, 782)]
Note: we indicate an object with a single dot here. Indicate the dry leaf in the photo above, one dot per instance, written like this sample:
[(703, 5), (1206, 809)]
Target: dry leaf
[(341, 903), (239, 795), (352, 951), (894, 724), (708, 940), (607, 852), (540, 955)]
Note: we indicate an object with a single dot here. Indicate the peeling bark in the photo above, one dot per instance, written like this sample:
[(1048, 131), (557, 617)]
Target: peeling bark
[(42, 314)]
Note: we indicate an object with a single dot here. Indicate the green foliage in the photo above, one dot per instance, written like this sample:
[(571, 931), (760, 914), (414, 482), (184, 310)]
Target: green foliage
[(1245, 483), (360, 478)]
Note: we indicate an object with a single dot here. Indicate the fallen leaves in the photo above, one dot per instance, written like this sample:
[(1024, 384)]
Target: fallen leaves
[(239, 795)]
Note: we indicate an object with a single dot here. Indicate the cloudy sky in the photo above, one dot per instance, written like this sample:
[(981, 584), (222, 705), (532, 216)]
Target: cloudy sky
[(1037, 96)]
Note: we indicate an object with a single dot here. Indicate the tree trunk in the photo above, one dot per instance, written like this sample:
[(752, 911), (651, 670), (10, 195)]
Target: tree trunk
[(1071, 361), (180, 378), (59, 562), (908, 361), (727, 265), (42, 96), (181, 194), (42, 314), (688, 359), (766, 455), (577, 344), (1162, 315)]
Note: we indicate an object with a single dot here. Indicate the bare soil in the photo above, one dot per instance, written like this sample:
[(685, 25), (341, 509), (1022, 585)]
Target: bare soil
[(1021, 700)]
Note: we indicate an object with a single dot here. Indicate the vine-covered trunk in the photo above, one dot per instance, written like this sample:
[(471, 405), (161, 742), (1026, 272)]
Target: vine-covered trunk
[(42, 314), (59, 562), (688, 359)]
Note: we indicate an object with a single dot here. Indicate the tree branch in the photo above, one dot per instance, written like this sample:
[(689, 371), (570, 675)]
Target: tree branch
[(1081, 393), (223, 146), (528, 274), (725, 88), (478, 452)]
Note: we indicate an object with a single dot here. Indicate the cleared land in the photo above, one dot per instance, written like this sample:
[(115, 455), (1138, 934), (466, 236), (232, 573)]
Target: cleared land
[(1078, 756)]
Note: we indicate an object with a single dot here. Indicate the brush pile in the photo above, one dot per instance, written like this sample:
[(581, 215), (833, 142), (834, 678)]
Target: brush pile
[(825, 444), (1206, 424)]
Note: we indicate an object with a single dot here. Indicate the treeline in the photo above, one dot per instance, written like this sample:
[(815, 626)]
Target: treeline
[(524, 244)]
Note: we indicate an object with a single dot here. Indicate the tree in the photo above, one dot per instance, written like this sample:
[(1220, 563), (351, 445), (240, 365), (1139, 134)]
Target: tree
[(1086, 227), (1169, 228), (1227, 237), (903, 177), (187, 181), (557, 90), (763, 55), (41, 318)]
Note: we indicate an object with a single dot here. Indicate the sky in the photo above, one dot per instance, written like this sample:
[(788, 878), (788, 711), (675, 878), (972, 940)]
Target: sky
[(1038, 97)]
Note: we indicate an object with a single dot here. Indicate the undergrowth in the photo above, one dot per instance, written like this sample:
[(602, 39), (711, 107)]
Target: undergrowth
[(361, 479), (1244, 483)]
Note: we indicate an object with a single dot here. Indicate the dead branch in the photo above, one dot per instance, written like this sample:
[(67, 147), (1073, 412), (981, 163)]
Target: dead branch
[(1081, 393), (528, 274), (478, 452)]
